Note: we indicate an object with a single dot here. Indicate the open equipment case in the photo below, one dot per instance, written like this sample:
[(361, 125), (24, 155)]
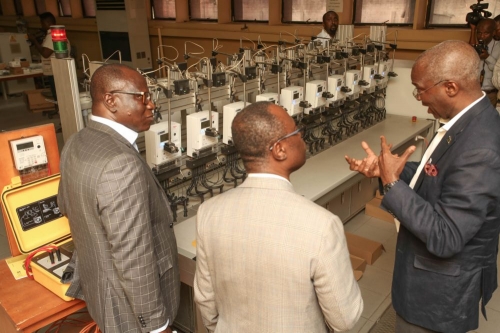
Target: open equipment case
[(38, 226)]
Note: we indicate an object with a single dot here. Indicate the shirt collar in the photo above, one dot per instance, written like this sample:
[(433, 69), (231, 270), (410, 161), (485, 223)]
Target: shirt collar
[(126, 132), (448, 123), (267, 175)]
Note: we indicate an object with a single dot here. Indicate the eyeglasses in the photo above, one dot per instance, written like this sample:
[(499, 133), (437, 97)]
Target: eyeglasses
[(300, 129), (417, 93), (146, 96)]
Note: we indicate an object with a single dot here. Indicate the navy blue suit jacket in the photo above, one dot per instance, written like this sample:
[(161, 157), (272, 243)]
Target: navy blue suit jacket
[(447, 245)]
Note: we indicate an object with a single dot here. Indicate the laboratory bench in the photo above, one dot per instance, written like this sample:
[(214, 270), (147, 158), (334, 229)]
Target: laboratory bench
[(325, 179)]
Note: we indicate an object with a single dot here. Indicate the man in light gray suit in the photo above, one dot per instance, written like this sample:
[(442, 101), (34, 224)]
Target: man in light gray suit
[(269, 260), (121, 223)]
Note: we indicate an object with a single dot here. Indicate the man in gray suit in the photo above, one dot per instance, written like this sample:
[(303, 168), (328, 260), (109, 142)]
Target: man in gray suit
[(126, 253), (269, 260), (449, 203)]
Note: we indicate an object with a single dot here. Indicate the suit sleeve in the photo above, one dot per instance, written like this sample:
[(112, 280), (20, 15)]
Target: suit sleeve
[(336, 288), (123, 201), (468, 193), (204, 294)]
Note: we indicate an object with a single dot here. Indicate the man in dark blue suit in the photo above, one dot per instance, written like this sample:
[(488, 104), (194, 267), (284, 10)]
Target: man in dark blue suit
[(449, 203)]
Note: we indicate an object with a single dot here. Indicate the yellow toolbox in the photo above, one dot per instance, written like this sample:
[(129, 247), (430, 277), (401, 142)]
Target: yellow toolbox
[(39, 227)]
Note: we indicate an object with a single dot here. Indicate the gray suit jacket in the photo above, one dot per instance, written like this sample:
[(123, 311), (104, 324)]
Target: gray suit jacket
[(447, 245), (126, 253), (269, 260)]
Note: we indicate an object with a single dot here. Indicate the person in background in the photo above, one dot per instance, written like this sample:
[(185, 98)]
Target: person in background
[(267, 259), (497, 28), (46, 49), (496, 71), (449, 203), (125, 255), (489, 52), (330, 26)]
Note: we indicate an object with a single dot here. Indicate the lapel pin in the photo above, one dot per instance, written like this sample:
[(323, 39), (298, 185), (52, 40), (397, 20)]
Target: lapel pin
[(448, 140)]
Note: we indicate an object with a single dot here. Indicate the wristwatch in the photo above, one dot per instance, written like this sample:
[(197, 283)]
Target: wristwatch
[(388, 186)]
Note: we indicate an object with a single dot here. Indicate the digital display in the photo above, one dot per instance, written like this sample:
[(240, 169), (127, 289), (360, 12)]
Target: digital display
[(25, 145), (164, 137), (205, 124), (295, 95), (320, 88)]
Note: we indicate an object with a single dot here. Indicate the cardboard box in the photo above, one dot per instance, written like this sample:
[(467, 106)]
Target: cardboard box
[(36, 101), (358, 264), (25, 64), (16, 70), (364, 248), (358, 275), (372, 208)]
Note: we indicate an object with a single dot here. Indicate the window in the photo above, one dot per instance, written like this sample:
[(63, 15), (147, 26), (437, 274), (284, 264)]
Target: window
[(88, 7), (64, 8), (384, 11), (203, 10), (453, 12), (163, 9), (303, 10), (250, 10), (40, 6)]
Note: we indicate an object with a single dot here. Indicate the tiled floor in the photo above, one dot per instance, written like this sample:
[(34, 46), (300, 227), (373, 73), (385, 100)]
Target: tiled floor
[(375, 284)]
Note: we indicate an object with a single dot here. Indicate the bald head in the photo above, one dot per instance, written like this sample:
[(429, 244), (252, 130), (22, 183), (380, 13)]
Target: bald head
[(254, 129), (107, 78), (450, 60)]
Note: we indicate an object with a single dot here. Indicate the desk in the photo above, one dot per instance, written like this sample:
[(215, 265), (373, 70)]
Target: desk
[(5, 78), (26, 306)]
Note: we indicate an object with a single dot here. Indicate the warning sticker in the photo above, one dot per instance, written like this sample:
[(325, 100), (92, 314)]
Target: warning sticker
[(38, 213)]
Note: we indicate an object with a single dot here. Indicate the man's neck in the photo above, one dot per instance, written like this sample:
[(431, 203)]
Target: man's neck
[(252, 168)]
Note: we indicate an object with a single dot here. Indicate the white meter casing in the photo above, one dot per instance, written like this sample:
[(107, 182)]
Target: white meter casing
[(335, 84), (156, 137), (314, 94), (290, 99), (28, 152), (196, 125), (352, 82), (230, 111), (267, 97), (368, 76)]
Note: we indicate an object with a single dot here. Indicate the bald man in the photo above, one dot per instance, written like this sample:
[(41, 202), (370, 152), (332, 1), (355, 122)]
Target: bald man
[(267, 259), (449, 203), (489, 54), (121, 223)]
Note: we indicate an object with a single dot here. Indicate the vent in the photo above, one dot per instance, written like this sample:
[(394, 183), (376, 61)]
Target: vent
[(110, 4)]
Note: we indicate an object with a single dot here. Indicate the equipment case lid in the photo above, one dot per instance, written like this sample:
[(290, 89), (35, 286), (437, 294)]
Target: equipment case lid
[(34, 214)]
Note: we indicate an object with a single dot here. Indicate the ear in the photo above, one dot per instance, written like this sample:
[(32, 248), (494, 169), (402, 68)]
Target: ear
[(109, 102), (279, 152), (451, 88)]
